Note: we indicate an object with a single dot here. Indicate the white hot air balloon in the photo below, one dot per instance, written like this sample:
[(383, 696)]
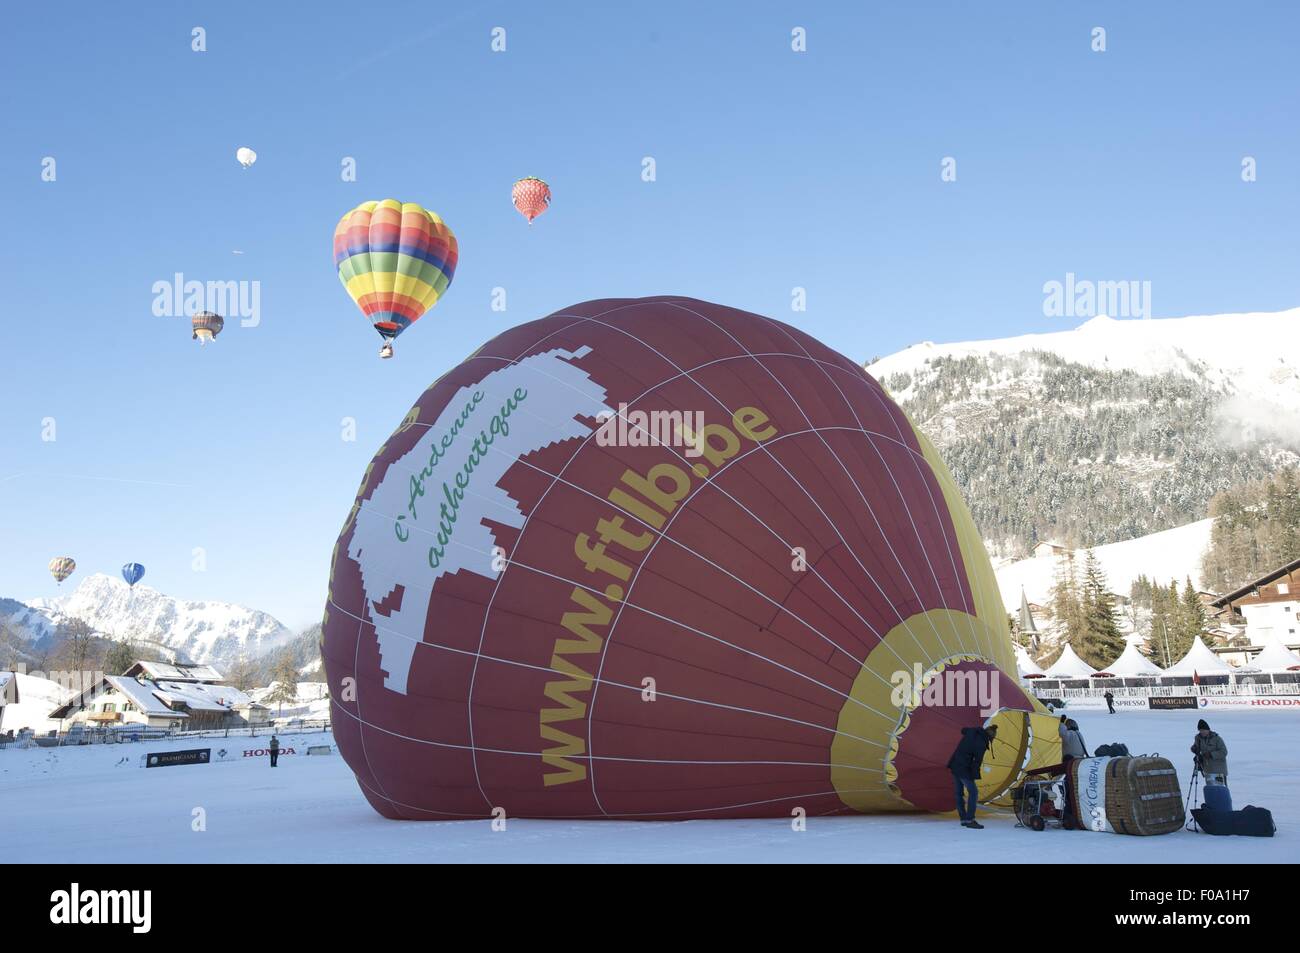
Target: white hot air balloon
[(246, 156)]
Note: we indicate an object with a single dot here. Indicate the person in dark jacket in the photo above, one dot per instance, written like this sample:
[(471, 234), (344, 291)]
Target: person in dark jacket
[(1110, 701), (274, 748), (1211, 754), (965, 764)]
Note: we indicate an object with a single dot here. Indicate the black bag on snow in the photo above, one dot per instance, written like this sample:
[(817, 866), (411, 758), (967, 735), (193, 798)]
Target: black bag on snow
[(1250, 821), (1114, 750)]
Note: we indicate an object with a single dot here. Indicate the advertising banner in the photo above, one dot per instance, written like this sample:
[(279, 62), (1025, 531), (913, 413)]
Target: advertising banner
[(1249, 702), (1090, 784), (1171, 702), (165, 759)]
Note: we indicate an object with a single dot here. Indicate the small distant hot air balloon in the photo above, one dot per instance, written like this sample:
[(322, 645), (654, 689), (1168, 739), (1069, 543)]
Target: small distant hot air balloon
[(206, 325), (531, 196), (61, 567), (396, 260), (132, 573), (246, 156)]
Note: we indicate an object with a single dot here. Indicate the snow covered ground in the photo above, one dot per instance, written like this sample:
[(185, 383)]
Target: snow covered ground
[(78, 805), (1170, 554), (37, 697), (312, 702)]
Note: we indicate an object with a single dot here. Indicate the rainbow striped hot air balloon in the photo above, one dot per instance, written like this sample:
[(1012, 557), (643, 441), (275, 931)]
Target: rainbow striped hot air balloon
[(395, 259), (61, 567)]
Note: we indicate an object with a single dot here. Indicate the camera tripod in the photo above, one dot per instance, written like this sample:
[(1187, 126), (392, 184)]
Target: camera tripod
[(1192, 788)]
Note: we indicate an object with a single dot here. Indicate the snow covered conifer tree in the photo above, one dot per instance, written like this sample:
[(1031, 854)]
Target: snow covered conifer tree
[(1101, 641)]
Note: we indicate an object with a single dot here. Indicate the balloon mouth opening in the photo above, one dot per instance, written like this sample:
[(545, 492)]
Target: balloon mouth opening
[(915, 779), (203, 335)]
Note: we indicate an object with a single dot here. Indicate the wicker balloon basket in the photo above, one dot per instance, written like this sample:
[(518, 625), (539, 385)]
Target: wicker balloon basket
[(1134, 795)]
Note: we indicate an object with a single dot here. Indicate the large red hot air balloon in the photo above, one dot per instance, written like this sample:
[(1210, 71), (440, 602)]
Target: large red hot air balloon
[(659, 558)]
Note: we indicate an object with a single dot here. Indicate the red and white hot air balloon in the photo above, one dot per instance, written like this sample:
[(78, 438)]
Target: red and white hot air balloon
[(532, 197), (663, 559)]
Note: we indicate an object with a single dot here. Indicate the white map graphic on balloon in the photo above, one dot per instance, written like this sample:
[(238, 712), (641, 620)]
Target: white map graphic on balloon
[(556, 393)]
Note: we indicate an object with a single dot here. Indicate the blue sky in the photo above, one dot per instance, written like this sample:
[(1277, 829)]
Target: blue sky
[(775, 169)]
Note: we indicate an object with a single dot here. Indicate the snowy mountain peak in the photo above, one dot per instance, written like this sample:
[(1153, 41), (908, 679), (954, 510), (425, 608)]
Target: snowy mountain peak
[(196, 631), (1110, 430)]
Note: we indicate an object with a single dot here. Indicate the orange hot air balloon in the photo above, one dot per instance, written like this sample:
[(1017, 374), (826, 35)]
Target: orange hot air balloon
[(532, 197), (662, 559)]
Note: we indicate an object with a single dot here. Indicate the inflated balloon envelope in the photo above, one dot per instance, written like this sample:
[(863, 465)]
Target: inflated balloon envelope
[(662, 559)]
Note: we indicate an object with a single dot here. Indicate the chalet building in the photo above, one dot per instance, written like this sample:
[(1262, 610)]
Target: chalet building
[(1270, 606), (1209, 603), (159, 695), (253, 713), (8, 693), (1049, 548)]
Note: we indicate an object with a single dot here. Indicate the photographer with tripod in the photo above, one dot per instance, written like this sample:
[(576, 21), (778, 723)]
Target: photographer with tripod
[(1211, 755), (1211, 763)]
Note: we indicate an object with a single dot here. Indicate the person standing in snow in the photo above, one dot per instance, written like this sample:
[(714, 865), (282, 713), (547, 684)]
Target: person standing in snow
[(275, 750), (965, 764), (1072, 745), (1211, 754), (1072, 748), (1110, 701)]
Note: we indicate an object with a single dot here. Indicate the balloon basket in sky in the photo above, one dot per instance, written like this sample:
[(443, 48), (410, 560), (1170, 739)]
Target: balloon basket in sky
[(663, 559)]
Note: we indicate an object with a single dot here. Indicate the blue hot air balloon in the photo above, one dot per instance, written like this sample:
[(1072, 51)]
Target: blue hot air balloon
[(132, 573)]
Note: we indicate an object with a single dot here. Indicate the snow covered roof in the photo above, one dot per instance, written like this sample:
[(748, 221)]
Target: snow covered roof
[(1024, 664), (1069, 665), (1133, 662), (201, 696), (140, 693), (1199, 661), (1276, 657), (158, 698), (175, 673)]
